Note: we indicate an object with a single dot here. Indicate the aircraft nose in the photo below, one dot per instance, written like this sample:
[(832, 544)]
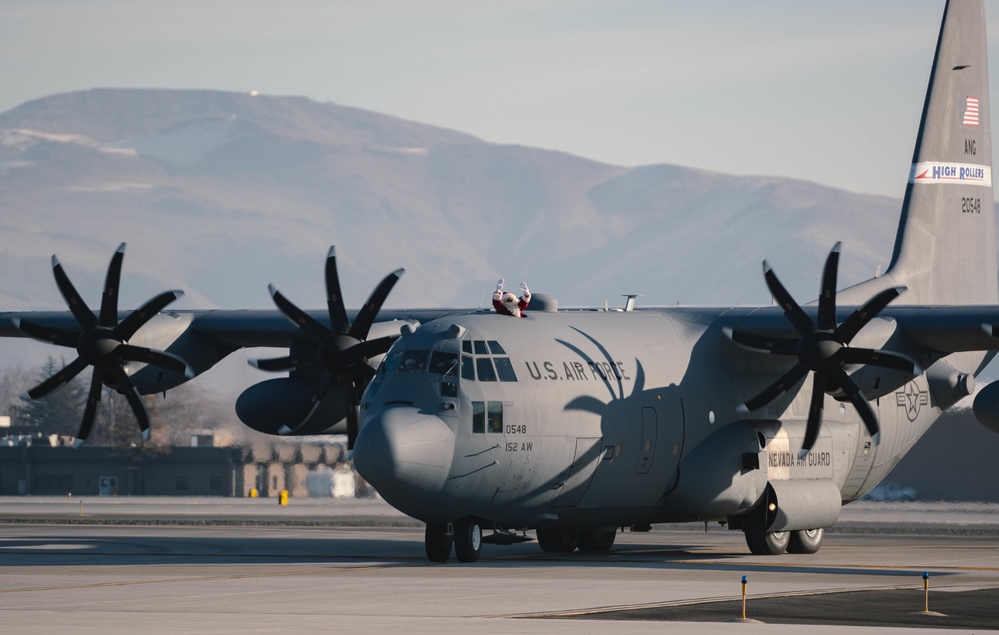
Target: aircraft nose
[(404, 453)]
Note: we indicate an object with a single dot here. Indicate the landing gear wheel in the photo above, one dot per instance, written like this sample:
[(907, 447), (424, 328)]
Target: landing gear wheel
[(805, 541), (558, 539), (438, 538), (771, 543), (595, 540), (467, 539)]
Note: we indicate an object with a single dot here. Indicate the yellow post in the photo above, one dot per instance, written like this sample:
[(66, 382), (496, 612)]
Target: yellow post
[(254, 493), (81, 508), (744, 597), (926, 591), (283, 498)]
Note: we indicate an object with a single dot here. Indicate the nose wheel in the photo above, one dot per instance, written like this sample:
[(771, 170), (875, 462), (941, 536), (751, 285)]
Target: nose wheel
[(467, 539), (464, 535), (439, 539)]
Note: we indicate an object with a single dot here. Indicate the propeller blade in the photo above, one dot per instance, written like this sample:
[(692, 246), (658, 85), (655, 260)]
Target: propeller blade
[(59, 337), (302, 416), (859, 318), (882, 359), (109, 301), (366, 316), (362, 374), (801, 322), (334, 299), (814, 414), (779, 387), (371, 348), (84, 316), (127, 388), (827, 298), (137, 318), (860, 403), (156, 358), (350, 396), (90, 412), (60, 379), (762, 343), (305, 322)]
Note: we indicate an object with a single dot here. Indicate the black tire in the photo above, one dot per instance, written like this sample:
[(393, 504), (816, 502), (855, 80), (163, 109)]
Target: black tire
[(595, 540), (805, 540), (438, 539), (467, 539), (772, 543), (558, 539)]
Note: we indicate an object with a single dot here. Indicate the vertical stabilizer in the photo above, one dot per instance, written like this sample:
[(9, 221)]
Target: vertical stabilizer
[(945, 249)]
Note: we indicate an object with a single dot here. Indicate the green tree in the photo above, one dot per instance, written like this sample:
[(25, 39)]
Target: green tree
[(59, 412)]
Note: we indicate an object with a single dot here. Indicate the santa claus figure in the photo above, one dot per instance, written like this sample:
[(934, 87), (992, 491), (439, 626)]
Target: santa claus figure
[(507, 303)]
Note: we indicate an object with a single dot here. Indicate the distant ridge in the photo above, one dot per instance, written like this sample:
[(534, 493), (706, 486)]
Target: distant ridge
[(221, 193)]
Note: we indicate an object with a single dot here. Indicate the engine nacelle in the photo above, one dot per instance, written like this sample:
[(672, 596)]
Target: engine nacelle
[(986, 406), (271, 404)]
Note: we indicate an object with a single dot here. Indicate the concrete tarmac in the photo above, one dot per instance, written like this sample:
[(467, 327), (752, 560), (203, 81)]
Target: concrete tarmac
[(321, 574)]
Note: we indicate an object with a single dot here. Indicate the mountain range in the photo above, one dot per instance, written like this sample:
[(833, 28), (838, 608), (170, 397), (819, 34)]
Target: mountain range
[(222, 193)]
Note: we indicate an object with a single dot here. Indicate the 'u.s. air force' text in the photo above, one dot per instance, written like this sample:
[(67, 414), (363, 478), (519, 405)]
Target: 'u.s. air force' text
[(577, 371)]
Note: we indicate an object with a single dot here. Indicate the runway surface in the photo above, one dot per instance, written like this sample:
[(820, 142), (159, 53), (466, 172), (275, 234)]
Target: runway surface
[(317, 573)]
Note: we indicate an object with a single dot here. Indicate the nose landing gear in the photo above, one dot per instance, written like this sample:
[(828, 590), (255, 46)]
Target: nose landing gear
[(464, 535)]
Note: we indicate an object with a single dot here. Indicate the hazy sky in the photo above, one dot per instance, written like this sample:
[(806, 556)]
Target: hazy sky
[(825, 91)]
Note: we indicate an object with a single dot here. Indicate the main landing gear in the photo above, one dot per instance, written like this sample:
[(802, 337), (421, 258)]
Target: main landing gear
[(774, 543), (465, 538)]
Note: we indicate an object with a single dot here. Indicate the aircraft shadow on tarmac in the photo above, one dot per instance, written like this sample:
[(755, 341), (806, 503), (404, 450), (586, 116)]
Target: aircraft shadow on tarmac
[(384, 550)]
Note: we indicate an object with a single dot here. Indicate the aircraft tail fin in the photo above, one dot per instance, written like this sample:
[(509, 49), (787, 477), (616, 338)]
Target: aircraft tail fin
[(945, 249)]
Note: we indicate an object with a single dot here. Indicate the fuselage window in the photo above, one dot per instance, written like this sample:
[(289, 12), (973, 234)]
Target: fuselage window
[(480, 347), (449, 389), (478, 417), (504, 368), (466, 347), (442, 363), (467, 368), (495, 416), (495, 348), (484, 369)]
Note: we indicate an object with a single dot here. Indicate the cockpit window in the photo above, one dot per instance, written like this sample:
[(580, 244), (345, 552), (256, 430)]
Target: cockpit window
[(442, 363), (414, 361), (487, 364), (467, 368), (505, 369), (495, 348), (484, 369)]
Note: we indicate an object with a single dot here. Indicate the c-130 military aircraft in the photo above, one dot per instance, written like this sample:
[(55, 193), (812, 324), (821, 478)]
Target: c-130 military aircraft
[(573, 423)]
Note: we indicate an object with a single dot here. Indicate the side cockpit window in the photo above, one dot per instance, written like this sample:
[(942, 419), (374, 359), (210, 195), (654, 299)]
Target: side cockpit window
[(487, 416)]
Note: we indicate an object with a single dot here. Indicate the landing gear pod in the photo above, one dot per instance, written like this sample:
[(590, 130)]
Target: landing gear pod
[(789, 516)]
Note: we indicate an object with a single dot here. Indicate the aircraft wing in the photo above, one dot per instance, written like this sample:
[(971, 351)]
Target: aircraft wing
[(941, 329)]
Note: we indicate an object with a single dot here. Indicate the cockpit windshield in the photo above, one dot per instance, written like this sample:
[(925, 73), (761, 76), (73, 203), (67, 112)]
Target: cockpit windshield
[(416, 361)]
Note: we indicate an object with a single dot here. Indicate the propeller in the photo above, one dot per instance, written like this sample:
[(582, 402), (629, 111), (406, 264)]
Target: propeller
[(343, 350), (103, 344), (823, 349)]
